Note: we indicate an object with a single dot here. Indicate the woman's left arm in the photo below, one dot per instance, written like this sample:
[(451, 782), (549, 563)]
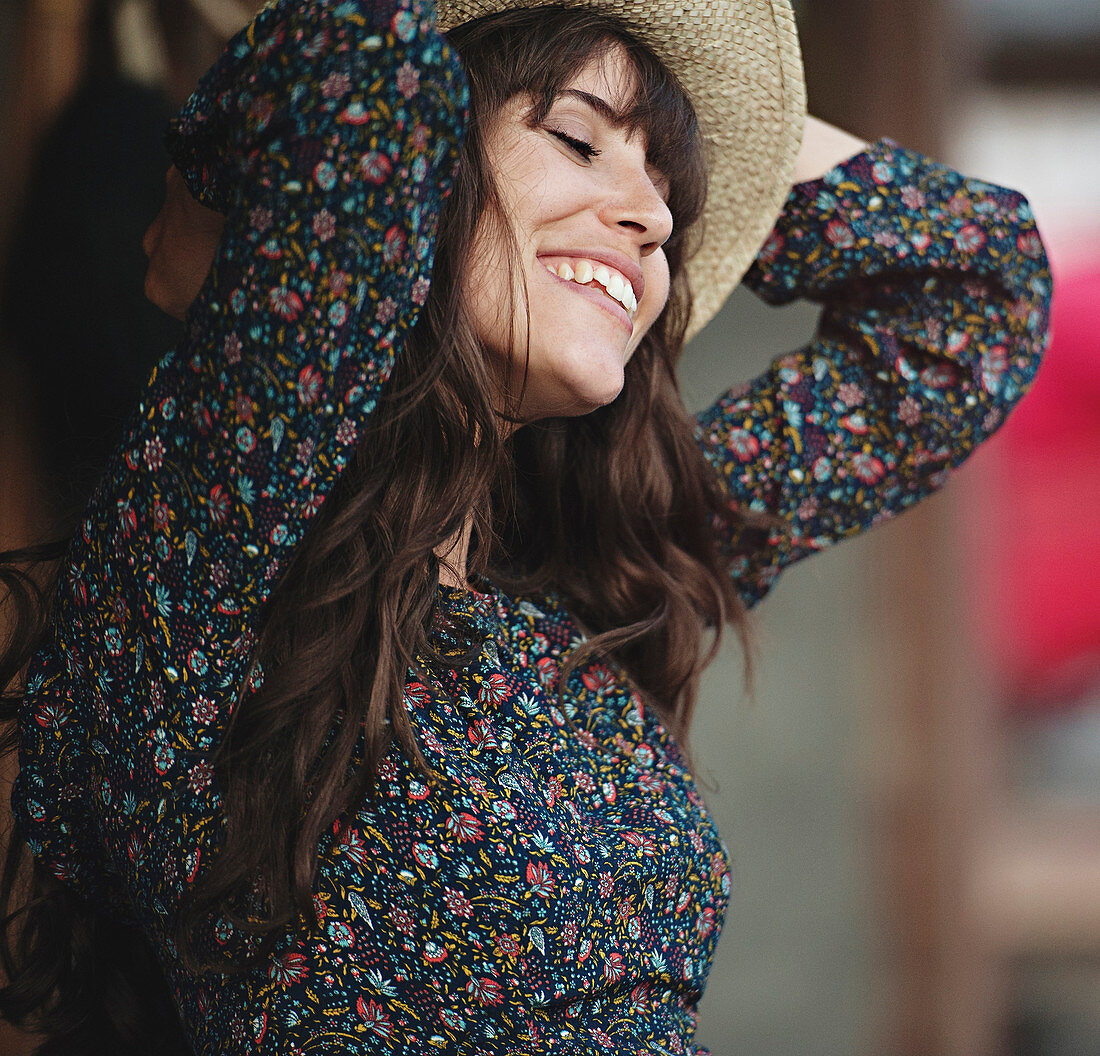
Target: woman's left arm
[(935, 292)]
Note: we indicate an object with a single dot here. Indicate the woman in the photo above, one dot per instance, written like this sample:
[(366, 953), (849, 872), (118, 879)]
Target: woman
[(359, 695)]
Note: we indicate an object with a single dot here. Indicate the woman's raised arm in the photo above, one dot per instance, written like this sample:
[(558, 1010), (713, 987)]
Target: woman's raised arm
[(327, 135), (935, 292)]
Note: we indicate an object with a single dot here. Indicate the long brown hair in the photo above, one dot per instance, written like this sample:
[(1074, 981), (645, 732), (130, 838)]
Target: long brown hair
[(616, 511)]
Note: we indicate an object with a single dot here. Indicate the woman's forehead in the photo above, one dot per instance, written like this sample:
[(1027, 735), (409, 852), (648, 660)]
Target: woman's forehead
[(610, 76)]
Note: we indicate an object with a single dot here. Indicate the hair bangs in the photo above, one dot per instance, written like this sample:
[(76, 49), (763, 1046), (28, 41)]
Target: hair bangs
[(538, 51)]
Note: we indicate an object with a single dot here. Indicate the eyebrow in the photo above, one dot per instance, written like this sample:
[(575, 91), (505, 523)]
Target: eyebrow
[(601, 106)]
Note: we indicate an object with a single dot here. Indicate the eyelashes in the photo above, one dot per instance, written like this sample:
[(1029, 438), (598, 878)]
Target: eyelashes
[(578, 146)]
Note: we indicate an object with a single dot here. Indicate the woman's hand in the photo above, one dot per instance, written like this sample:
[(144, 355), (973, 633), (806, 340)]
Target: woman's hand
[(824, 146), (180, 245)]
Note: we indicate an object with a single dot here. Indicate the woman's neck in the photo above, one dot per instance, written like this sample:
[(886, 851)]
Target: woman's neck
[(452, 557)]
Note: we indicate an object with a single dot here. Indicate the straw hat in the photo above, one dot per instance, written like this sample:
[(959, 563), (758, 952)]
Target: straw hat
[(740, 62)]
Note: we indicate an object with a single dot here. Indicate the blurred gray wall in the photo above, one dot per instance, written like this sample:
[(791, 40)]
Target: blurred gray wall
[(781, 773)]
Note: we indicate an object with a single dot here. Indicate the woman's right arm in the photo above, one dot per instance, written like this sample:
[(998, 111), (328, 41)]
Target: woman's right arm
[(328, 135)]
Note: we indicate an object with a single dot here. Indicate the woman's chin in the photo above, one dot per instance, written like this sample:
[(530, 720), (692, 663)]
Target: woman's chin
[(576, 396)]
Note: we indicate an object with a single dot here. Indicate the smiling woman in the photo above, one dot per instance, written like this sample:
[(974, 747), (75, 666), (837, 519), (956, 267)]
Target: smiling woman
[(357, 706), (582, 206)]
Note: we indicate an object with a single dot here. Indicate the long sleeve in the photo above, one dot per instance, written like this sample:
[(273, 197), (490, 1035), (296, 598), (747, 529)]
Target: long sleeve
[(328, 134), (936, 293)]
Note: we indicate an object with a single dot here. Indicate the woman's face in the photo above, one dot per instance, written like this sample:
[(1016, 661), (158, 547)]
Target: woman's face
[(589, 217)]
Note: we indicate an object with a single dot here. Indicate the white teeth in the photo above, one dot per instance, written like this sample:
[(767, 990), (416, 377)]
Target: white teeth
[(616, 286)]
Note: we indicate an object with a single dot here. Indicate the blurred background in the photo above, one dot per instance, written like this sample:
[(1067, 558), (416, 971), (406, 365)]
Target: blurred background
[(912, 796)]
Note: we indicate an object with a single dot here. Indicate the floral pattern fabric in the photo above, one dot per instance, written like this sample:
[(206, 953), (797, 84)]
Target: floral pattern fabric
[(563, 887), (936, 297)]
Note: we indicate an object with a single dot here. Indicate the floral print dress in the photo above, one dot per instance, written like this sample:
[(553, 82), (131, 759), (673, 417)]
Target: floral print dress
[(563, 889)]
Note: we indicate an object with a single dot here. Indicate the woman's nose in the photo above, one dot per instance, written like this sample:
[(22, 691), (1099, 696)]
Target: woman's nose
[(638, 206)]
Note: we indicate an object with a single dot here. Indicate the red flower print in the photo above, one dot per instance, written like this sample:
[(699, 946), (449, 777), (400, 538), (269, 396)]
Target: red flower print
[(938, 376), (355, 113), (218, 504), (598, 678), (346, 432), (289, 969), (958, 204), (772, 248), (285, 303), (743, 444), (540, 880), (507, 946), (393, 246), (162, 516), (52, 714), (464, 827), (855, 423), (200, 776), (547, 668), (352, 845), (482, 735), (408, 80), (994, 365), (1029, 243), (485, 992), (374, 1018), (494, 690), (458, 903), (375, 167), (310, 384), (613, 969), (881, 172), (868, 468), (387, 309), (402, 920), (840, 234), (417, 695), (970, 239), (645, 843)]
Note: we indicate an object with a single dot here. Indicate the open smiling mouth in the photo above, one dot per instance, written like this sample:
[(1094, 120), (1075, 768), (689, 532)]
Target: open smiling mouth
[(598, 276)]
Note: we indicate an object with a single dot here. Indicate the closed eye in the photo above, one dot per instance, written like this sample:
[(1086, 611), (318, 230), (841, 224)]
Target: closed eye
[(578, 146)]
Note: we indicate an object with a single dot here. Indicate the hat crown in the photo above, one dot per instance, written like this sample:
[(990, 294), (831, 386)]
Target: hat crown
[(740, 63)]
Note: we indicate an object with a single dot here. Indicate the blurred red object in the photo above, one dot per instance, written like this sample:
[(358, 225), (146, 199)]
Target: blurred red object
[(1038, 536)]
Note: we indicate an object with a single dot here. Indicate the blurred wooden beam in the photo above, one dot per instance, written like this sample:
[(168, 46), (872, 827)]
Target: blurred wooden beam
[(891, 68)]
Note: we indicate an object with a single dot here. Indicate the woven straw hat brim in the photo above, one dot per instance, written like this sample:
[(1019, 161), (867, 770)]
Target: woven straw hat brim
[(740, 62)]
